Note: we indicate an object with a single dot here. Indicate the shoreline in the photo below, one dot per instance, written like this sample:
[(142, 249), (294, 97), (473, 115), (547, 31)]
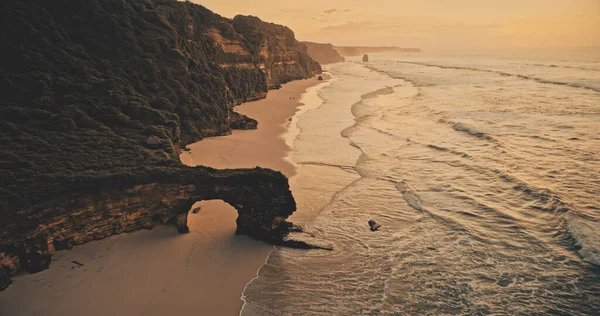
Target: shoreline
[(160, 271), (267, 146)]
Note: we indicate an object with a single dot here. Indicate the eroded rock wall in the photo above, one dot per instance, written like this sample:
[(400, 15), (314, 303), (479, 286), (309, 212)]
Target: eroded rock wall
[(281, 56), (262, 198)]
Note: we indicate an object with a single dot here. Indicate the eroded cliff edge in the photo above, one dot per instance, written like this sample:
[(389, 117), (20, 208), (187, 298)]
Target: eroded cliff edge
[(99, 97), (323, 53), (123, 202)]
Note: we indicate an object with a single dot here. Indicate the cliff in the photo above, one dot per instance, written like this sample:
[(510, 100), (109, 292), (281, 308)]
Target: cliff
[(323, 53), (126, 202), (283, 57), (361, 50), (99, 96)]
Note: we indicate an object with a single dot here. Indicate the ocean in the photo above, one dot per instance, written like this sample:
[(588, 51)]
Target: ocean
[(482, 169)]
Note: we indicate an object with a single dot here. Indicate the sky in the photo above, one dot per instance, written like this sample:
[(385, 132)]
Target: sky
[(430, 24)]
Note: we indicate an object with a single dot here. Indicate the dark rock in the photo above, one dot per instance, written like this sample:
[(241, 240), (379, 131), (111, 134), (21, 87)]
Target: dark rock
[(295, 229), (181, 223), (35, 251), (62, 244), (240, 121), (320, 78), (504, 282), (365, 58), (300, 239), (374, 226), (38, 261), (296, 244), (5, 280)]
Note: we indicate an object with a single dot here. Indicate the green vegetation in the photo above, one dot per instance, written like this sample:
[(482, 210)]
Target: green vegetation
[(85, 83)]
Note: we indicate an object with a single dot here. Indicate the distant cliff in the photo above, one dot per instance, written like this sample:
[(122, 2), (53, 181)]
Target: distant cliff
[(99, 97), (323, 53), (349, 51)]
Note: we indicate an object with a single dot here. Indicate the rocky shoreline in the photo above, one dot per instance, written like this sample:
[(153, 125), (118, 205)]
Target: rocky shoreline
[(100, 98)]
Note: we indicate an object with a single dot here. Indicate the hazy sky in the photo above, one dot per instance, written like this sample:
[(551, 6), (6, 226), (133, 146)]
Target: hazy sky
[(430, 23)]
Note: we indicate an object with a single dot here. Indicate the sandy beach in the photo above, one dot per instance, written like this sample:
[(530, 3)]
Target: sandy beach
[(406, 158), (160, 272)]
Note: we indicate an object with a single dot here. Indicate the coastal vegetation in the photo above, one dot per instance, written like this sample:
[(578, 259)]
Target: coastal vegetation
[(99, 99)]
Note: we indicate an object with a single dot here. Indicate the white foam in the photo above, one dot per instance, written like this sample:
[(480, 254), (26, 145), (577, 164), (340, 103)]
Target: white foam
[(587, 236), (243, 297)]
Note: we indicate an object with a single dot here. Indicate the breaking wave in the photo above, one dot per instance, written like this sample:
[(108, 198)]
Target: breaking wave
[(507, 74)]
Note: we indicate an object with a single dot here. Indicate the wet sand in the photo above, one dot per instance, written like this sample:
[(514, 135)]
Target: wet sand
[(160, 272)]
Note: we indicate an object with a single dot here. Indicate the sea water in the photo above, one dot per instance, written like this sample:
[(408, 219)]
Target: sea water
[(483, 171)]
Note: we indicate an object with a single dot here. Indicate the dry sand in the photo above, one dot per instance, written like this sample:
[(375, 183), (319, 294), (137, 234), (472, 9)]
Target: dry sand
[(266, 146), (161, 272)]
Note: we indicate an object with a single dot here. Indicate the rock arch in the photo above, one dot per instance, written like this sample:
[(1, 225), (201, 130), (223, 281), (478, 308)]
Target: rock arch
[(261, 197), (112, 206)]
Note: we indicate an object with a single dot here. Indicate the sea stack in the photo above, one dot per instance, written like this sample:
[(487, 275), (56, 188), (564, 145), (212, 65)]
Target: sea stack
[(365, 58), (374, 226)]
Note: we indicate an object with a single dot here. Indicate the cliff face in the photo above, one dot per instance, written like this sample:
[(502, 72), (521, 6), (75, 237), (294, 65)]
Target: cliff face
[(98, 98), (282, 56), (361, 50), (323, 53), (120, 203)]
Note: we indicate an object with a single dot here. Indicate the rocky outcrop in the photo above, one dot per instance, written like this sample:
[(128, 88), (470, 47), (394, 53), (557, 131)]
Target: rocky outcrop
[(323, 53), (5, 280), (374, 226), (240, 121), (365, 58), (99, 96), (350, 51), (119, 203)]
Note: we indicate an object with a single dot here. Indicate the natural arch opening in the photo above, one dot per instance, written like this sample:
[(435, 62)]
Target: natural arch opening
[(213, 217)]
